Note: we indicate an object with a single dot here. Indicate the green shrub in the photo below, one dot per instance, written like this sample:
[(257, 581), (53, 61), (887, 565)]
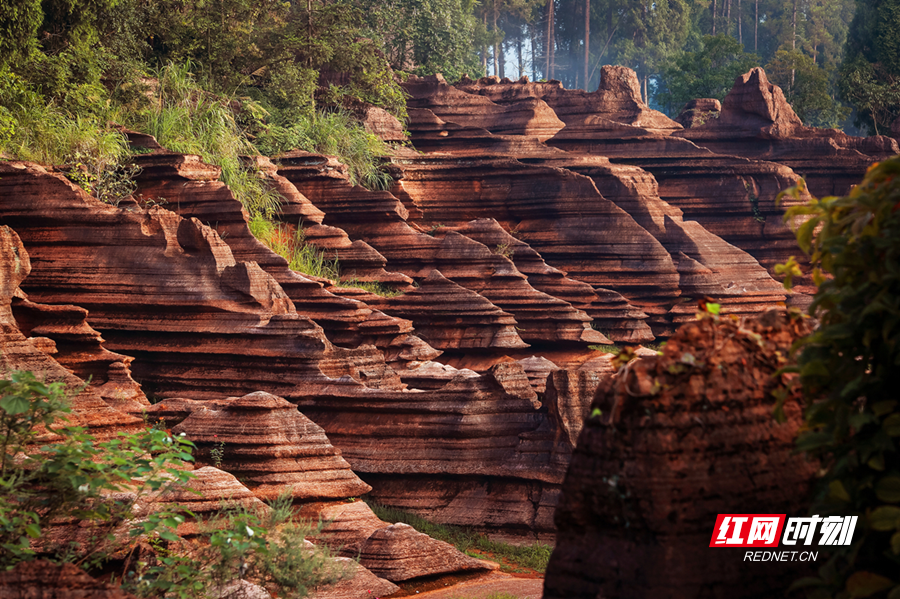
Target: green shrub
[(71, 478), (77, 477), (266, 548), (850, 375), (185, 118)]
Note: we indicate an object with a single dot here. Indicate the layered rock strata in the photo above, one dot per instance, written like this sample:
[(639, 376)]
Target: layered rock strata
[(202, 325), (399, 553), (42, 579), (380, 219), (451, 317), (33, 354), (565, 218), (732, 197), (189, 187), (681, 437), (267, 443), (757, 122)]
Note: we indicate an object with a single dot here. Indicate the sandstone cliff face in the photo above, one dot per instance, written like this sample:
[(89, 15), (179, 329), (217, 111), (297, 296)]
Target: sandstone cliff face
[(202, 325), (757, 122), (34, 353), (681, 437)]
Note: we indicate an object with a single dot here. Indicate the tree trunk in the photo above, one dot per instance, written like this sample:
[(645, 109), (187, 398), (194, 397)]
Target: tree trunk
[(793, 40), (534, 61), (497, 67), (646, 97), (728, 17), (740, 28), (756, 27), (519, 55), (587, 41), (714, 17), (551, 42), (548, 37), (484, 49)]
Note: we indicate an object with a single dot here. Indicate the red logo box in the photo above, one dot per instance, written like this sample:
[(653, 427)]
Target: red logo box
[(747, 530)]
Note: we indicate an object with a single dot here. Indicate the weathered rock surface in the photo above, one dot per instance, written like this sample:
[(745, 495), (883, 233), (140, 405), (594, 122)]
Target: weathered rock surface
[(45, 580), (191, 189), (699, 111), (380, 219), (360, 584), (611, 313), (616, 103), (682, 437), (269, 445), (450, 317), (399, 553), (63, 333), (756, 121), (531, 117), (33, 354), (347, 526)]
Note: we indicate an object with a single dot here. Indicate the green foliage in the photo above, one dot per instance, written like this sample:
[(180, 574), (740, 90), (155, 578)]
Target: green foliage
[(290, 243), (534, 557), (51, 472), (266, 547), (73, 477), (870, 74), (19, 22), (185, 118), (805, 86), (873, 91), (706, 73), (434, 36), (848, 369), (335, 133)]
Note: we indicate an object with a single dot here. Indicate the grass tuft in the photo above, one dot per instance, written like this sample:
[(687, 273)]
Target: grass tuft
[(186, 119), (335, 133), (533, 557)]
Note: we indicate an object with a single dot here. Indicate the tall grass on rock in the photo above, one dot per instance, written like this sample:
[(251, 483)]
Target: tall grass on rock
[(335, 133), (185, 118)]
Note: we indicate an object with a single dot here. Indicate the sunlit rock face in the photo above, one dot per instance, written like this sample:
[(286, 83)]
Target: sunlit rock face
[(525, 225)]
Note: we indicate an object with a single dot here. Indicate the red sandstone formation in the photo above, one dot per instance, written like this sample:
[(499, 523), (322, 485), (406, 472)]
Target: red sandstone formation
[(34, 354), (267, 443), (567, 221), (681, 437), (191, 189), (381, 220), (450, 317), (45, 580), (347, 526), (360, 584), (63, 333), (400, 553), (531, 117), (757, 122), (699, 111), (611, 313), (202, 325), (731, 197), (616, 107)]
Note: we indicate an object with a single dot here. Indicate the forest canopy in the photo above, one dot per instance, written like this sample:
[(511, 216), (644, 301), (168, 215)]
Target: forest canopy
[(290, 60)]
